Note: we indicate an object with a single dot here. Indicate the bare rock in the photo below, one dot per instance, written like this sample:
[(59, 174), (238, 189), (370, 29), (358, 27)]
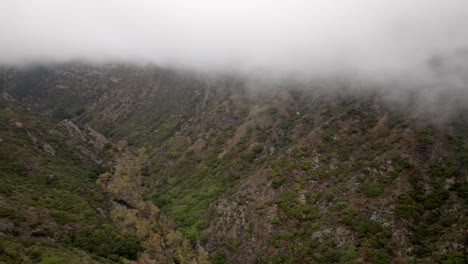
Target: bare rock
[(72, 129), (49, 149), (32, 137), (8, 97), (99, 140)]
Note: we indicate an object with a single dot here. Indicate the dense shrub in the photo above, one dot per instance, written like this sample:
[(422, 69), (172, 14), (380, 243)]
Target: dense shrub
[(372, 189), (128, 247), (425, 136)]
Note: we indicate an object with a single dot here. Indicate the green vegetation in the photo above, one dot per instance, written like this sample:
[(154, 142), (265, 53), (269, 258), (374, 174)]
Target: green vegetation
[(394, 121), (289, 176), (51, 195), (372, 189), (425, 136)]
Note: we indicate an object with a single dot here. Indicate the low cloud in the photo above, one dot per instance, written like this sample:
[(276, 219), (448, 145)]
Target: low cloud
[(417, 43)]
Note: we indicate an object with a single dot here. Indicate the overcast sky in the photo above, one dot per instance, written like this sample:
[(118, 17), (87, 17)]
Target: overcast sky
[(288, 34)]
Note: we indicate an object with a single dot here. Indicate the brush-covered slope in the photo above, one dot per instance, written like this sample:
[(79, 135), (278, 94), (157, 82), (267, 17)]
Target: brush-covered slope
[(295, 177), (51, 209), (69, 195), (360, 184), (288, 174)]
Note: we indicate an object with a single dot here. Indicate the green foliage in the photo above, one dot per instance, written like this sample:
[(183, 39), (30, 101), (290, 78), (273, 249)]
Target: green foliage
[(160, 201), (288, 202), (329, 194), (462, 192), (349, 216), (350, 253), (298, 153), (455, 257), (436, 199), (445, 170), (307, 166), (45, 191), (255, 150), (190, 187), (369, 228), (33, 250), (394, 121), (277, 182), (340, 205), (407, 207), (52, 260), (219, 258), (328, 133), (372, 189), (128, 247), (425, 136), (378, 256)]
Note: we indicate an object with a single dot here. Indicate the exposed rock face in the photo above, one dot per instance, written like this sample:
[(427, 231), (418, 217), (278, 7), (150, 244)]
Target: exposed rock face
[(49, 149), (72, 129), (33, 138), (8, 97), (98, 140), (93, 137)]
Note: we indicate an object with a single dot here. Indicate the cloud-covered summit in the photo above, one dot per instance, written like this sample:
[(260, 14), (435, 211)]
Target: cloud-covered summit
[(372, 37), (413, 49)]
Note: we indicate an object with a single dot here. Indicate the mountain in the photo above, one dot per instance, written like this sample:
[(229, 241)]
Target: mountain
[(195, 168)]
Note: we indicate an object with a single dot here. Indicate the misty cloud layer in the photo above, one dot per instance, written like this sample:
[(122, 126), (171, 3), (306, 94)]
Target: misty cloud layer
[(406, 43)]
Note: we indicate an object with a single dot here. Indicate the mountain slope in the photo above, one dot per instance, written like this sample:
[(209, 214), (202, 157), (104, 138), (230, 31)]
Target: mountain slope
[(288, 174), (50, 203), (63, 200)]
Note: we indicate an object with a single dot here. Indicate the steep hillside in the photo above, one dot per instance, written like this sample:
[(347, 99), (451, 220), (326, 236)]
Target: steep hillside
[(288, 174), (362, 184), (50, 204), (63, 200)]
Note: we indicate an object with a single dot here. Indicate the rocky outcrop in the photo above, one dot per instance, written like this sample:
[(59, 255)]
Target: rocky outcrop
[(72, 129), (48, 148)]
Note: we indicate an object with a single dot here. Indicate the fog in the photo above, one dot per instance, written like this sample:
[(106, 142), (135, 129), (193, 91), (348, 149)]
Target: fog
[(392, 43)]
